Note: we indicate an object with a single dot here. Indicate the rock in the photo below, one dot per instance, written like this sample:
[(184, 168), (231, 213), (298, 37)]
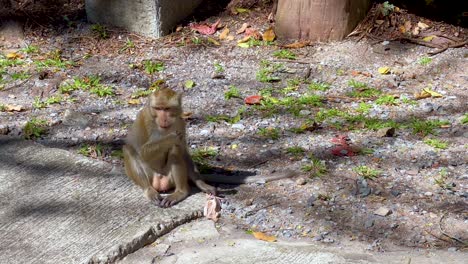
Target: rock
[(71, 118), (3, 129), (311, 200), (395, 193), (238, 126), (369, 223), (452, 249), (328, 240), (428, 194), (382, 211), (363, 188), (386, 132), (301, 181), (427, 107), (204, 132), (305, 112), (217, 76)]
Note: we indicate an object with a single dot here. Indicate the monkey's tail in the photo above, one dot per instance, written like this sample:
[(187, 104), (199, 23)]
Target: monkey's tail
[(237, 179)]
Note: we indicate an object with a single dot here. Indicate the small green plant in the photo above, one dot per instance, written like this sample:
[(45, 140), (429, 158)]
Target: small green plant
[(285, 54), (364, 108), (30, 49), (387, 8), (295, 151), (386, 100), (408, 101), (267, 71), (356, 84), (34, 128), (153, 66), (441, 181), (117, 153), (129, 45), (233, 92), (218, 67), (20, 76), (230, 120), (464, 120), (269, 132), (319, 86), (4, 63), (311, 100), (316, 168), (93, 151), (367, 172), (425, 127), (141, 93), (436, 143), (38, 104), (425, 61), (100, 31), (201, 156), (324, 114), (102, 90), (2, 108)]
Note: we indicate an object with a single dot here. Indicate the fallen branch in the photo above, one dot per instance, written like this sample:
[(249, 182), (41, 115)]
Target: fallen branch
[(465, 243), (455, 45)]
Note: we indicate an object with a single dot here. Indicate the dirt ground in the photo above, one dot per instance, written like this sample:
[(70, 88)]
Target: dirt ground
[(375, 161)]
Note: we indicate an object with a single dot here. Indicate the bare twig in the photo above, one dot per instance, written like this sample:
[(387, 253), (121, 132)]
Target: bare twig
[(465, 243)]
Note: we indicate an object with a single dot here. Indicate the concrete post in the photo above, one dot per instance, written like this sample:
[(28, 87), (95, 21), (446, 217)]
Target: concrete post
[(153, 18)]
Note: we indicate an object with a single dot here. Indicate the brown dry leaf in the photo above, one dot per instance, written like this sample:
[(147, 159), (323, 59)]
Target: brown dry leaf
[(224, 34), (14, 108), (402, 29), (297, 45), (244, 39), (230, 37), (252, 32), (408, 25), (379, 22), (212, 207), (134, 101), (242, 29), (423, 26), (264, 237), (269, 35), (186, 115)]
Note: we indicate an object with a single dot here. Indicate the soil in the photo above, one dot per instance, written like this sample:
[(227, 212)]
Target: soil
[(419, 191)]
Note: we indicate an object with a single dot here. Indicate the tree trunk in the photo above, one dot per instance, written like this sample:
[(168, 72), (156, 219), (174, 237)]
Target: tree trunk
[(319, 20)]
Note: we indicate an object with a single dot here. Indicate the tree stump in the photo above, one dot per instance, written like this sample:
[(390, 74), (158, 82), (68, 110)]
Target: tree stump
[(319, 20)]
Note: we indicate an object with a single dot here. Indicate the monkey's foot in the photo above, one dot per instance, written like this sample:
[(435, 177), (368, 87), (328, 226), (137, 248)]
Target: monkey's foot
[(173, 199)]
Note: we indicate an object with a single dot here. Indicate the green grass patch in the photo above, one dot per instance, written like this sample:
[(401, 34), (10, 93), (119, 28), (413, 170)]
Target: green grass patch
[(464, 120), (233, 92), (319, 86), (284, 54), (367, 172), (269, 132), (201, 157), (218, 67), (426, 127), (267, 71), (100, 31), (151, 67), (34, 128), (436, 143), (295, 151), (315, 168), (424, 61), (364, 108), (386, 100), (38, 103)]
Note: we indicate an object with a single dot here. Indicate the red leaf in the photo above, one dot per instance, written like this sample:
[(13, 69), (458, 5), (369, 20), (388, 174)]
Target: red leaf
[(253, 99), (204, 28), (342, 147)]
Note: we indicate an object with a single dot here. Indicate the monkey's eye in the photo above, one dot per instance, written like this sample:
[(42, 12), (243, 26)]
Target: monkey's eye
[(162, 108)]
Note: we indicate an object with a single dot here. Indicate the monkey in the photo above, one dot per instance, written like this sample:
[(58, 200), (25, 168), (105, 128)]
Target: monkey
[(156, 157)]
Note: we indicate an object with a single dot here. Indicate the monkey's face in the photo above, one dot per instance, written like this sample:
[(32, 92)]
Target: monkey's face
[(165, 108)]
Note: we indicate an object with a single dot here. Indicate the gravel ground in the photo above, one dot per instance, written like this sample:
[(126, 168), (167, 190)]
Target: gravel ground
[(416, 198)]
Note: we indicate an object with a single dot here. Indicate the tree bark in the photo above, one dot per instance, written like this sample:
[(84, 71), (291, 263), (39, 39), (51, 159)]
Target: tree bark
[(319, 20)]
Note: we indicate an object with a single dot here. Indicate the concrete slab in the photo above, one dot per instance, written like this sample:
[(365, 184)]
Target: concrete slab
[(58, 207), (153, 18)]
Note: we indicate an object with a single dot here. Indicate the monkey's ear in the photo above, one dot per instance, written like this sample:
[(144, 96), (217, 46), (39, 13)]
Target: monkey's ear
[(179, 98)]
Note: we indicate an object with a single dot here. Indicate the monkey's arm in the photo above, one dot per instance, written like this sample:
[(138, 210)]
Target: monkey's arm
[(247, 179), (156, 149)]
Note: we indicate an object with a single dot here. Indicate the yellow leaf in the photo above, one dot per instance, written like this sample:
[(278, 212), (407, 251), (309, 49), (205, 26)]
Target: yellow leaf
[(269, 35), (134, 101), (242, 29), (234, 146), (14, 108), (242, 10), (214, 41), (244, 39), (429, 38), (224, 34), (402, 29), (230, 37), (379, 22), (422, 95), (384, 70), (422, 25), (264, 237), (243, 45), (432, 93), (13, 55)]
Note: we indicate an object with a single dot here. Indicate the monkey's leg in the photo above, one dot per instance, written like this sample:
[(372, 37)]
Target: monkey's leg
[(139, 173), (194, 176), (178, 173)]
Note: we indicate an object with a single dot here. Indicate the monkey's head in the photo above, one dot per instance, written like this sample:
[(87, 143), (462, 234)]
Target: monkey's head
[(166, 107)]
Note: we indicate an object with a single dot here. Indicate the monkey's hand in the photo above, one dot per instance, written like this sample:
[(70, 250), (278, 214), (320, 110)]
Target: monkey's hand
[(173, 198)]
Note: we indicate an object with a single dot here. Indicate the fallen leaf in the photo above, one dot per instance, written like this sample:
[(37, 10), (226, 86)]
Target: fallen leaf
[(230, 37), (244, 39), (384, 70), (242, 29), (243, 45), (429, 38), (379, 22), (134, 101), (342, 147), (186, 115), (415, 31), (269, 35), (253, 99), (13, 55), (251, 32), (421, 95), (408, 25), (264, 237), (242, 10), (13, 108), (297, 45), (402, 29), (432, 93), (204, 28), (224, 34), (422, 25), (212, 208), (213, 41), (189, 84)]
